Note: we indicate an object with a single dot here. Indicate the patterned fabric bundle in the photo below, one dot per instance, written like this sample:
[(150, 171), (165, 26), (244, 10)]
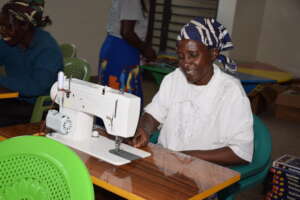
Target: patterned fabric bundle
[(27, 10), (213, 35)]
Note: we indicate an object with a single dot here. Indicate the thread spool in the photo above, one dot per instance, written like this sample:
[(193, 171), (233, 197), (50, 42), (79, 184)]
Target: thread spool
[(60, 80)]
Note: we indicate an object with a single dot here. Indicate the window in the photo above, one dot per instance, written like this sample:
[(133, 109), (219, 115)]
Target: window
[(168, 16)]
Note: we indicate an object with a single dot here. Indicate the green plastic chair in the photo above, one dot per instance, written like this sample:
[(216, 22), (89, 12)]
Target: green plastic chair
[(68, 50), (39, 168), (75, 67), (253, 173)]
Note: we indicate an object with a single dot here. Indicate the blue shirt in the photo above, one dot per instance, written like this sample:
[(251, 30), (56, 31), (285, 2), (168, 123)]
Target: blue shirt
[(31, 71)]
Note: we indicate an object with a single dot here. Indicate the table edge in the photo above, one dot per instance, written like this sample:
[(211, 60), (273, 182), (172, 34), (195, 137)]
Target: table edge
[(9, 95)]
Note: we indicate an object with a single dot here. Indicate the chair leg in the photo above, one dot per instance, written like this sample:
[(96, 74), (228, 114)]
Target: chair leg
[(39, 108), (37, 113)]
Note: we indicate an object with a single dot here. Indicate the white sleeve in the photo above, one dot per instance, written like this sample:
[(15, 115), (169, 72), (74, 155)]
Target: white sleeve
[(238, 126), (159, 106), (131, 10)]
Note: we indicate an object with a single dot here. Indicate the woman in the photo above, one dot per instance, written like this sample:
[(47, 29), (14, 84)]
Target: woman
[(120, 52), (203, 111), (30, 55)]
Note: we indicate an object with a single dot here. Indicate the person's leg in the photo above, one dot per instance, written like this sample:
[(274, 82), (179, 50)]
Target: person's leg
[(134, 82), (13, 111)]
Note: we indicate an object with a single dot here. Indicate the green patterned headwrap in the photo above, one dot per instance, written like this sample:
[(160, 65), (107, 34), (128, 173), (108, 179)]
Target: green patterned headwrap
[(27, 11)]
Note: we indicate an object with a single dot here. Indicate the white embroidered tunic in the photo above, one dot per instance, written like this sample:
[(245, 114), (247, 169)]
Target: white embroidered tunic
[(203, 117)]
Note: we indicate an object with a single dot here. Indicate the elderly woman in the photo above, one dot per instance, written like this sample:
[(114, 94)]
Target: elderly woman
[(30, 55), (204, 112)]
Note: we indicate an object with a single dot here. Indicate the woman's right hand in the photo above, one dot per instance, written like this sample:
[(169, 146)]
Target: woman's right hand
[(140, 139)]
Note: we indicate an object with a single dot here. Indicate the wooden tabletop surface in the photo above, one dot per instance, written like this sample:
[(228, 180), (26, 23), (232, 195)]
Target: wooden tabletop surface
[(265, 71), (164, 175), (19, 130), (6, 93)]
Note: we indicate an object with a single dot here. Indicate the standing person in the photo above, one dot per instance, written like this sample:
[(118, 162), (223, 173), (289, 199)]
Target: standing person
[(125, 42), (204, 112), (30, 55)]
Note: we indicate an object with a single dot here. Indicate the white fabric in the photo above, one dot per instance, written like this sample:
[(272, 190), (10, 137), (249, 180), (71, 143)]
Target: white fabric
[(127, 10), (203, 117)]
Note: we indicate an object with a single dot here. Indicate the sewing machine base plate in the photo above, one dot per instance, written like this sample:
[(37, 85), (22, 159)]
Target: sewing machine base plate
[(124, 154), (100, 147)]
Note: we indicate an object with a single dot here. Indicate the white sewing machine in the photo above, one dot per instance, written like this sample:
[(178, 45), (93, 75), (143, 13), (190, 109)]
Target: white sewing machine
[(79, 101)]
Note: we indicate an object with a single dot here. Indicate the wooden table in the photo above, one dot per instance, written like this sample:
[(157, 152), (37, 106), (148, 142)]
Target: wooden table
[(6, 93), (264, 71), (164, 175), (252, 74)]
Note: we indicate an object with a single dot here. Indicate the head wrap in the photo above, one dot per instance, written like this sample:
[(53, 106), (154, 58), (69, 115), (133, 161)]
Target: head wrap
[(213, 35), (27, 11)]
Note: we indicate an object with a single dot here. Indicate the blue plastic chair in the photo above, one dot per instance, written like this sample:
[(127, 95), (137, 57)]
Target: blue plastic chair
[(253, 173)]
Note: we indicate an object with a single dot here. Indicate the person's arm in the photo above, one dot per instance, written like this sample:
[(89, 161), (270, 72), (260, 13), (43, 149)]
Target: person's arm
[(155, 113), (43, 75), (222, 156), (3, 52), (29, 86), (146, 126), (128, 34)]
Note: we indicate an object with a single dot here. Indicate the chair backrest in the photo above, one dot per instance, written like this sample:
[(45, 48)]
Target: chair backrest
[(39, 168), (68, 50), (77, 68)]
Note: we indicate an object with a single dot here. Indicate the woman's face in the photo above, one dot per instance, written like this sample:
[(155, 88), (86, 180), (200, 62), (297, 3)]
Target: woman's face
[(10, 31), (195, 61)]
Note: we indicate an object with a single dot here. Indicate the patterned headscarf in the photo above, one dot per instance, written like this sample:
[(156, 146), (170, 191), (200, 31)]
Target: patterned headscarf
[(27, 11), (213, 35)]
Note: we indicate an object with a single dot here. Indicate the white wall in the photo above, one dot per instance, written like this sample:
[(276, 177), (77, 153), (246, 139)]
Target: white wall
[(226, 13), (262, 30), (280, 36), (79, 22), (247, 29), (268, 31)]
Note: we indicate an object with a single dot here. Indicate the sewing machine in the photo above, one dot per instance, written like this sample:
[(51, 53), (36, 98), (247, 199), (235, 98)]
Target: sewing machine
[(79, 101)]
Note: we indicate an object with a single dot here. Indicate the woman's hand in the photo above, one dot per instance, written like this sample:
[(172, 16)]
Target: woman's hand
[(128, 33), (140, 139), (146, 126)]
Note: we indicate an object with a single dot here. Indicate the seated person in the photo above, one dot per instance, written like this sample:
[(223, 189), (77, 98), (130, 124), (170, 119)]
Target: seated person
[(204, 112), (30, 55)]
